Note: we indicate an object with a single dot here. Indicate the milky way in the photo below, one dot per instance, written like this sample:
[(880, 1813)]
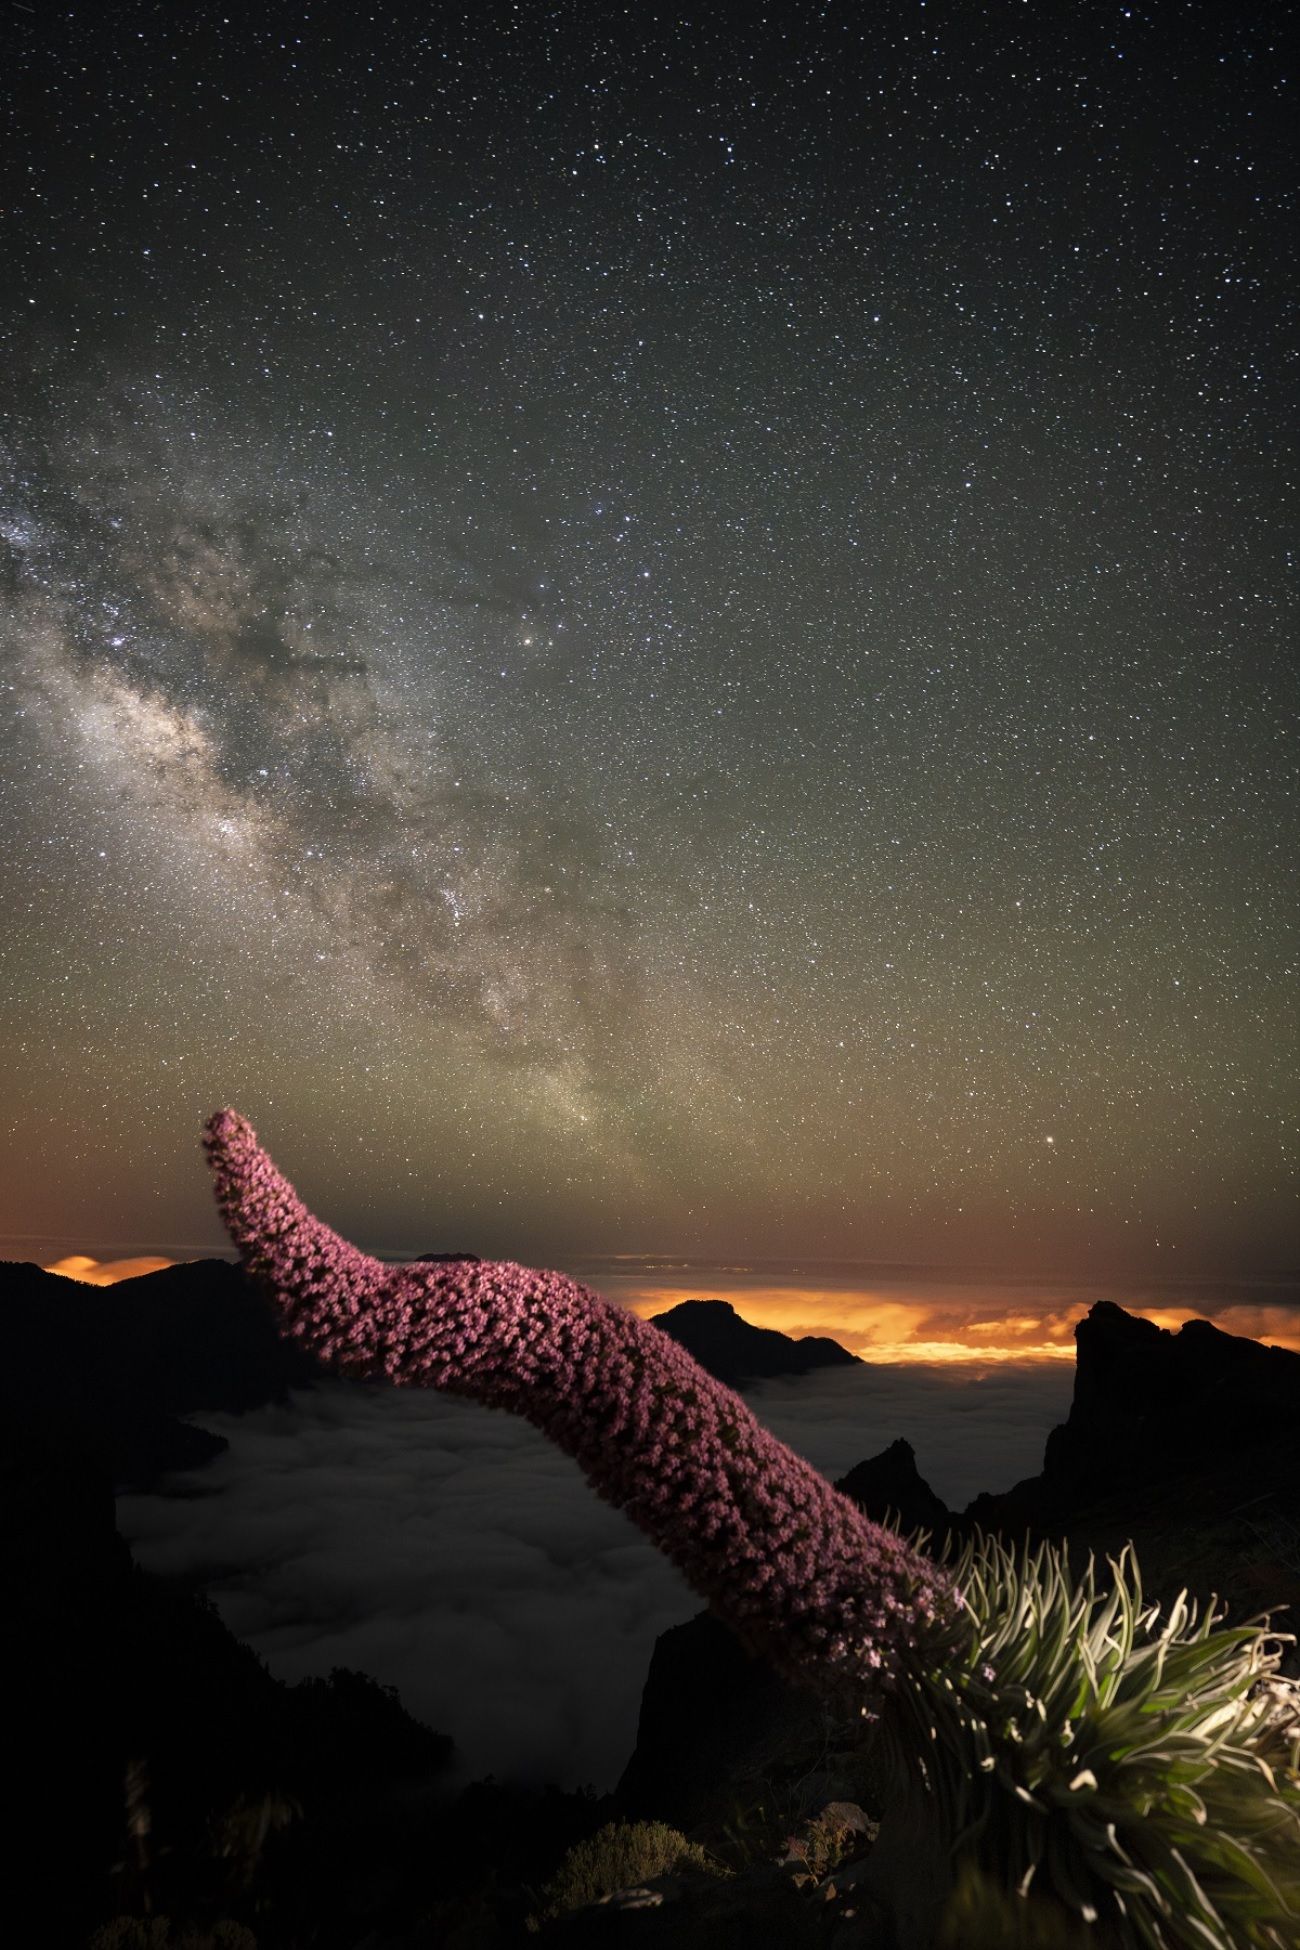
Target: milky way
[(690, 618)]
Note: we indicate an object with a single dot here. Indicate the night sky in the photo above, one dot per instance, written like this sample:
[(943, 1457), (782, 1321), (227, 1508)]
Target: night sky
[(649, 632)]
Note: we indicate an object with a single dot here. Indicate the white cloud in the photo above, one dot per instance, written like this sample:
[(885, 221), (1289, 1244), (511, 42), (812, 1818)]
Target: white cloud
[(452, 1552)]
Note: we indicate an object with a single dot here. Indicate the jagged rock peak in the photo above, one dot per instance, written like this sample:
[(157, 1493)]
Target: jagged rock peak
[(891, 1484)]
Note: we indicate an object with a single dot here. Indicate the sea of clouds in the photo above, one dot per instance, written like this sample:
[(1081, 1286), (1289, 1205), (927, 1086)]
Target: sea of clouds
[(452, 1552)]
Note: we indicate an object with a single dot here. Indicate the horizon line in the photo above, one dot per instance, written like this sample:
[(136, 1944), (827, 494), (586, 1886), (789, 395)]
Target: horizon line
[(633, 1264)]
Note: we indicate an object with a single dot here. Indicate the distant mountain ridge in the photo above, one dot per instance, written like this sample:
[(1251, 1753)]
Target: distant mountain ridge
[(735, 1351), (123, 1363), (128, 1360)]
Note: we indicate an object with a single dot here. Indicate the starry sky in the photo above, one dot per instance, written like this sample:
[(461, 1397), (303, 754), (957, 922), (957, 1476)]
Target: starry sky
[(651, 632)]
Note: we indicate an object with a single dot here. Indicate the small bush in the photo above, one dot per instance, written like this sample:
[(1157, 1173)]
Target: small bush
[(622, 1855), (133, 1933), (161, 1933), (839, 1834)]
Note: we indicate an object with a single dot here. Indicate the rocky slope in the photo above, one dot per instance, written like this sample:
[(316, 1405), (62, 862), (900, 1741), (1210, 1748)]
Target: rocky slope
[(154, 1756)]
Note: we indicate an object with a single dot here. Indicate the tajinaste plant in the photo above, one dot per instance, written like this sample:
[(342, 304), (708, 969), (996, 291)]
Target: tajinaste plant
[(794, 1567), (1061, 1739)]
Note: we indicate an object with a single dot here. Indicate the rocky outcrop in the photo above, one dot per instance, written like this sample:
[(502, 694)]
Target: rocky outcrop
[(1182, 1443), (733, 1350), (710, 1712), (889, 1487), (1150, 1401), (1188, 1428)]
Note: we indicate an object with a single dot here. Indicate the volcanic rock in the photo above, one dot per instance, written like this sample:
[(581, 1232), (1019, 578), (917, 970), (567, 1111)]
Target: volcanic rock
[(889, 1486)]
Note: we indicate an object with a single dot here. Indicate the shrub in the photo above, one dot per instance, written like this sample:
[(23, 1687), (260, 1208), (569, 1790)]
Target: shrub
[(622, 1855), (162, 1933), (1138, 1768)]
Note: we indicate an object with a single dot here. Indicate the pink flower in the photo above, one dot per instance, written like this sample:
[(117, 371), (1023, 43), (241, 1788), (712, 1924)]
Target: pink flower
[(789, 1563)]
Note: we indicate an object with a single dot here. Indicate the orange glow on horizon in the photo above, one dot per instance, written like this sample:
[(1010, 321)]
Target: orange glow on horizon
[(949, 1328), (923, 1324), (885, 1332), (106, 1272)]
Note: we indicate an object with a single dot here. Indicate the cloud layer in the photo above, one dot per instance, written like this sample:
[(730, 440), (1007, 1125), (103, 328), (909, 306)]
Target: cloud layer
[(451, 1552)]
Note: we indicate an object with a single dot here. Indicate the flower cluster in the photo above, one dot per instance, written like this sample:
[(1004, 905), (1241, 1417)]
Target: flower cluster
[(789, 1563)]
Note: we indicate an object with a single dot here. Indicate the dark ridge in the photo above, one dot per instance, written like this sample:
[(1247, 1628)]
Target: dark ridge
[(124, 1363), (131, 1700), (734, 1351)]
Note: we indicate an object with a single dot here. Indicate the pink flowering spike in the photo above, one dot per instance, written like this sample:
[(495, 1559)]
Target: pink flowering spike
[(310, 1269), (789, 1563)]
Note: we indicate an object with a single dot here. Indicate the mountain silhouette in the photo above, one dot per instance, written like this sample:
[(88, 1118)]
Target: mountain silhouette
[(735, 1352), (124, 1363)]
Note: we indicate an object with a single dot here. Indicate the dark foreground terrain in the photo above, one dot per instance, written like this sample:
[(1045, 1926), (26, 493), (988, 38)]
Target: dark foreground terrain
[(171, 1792)]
